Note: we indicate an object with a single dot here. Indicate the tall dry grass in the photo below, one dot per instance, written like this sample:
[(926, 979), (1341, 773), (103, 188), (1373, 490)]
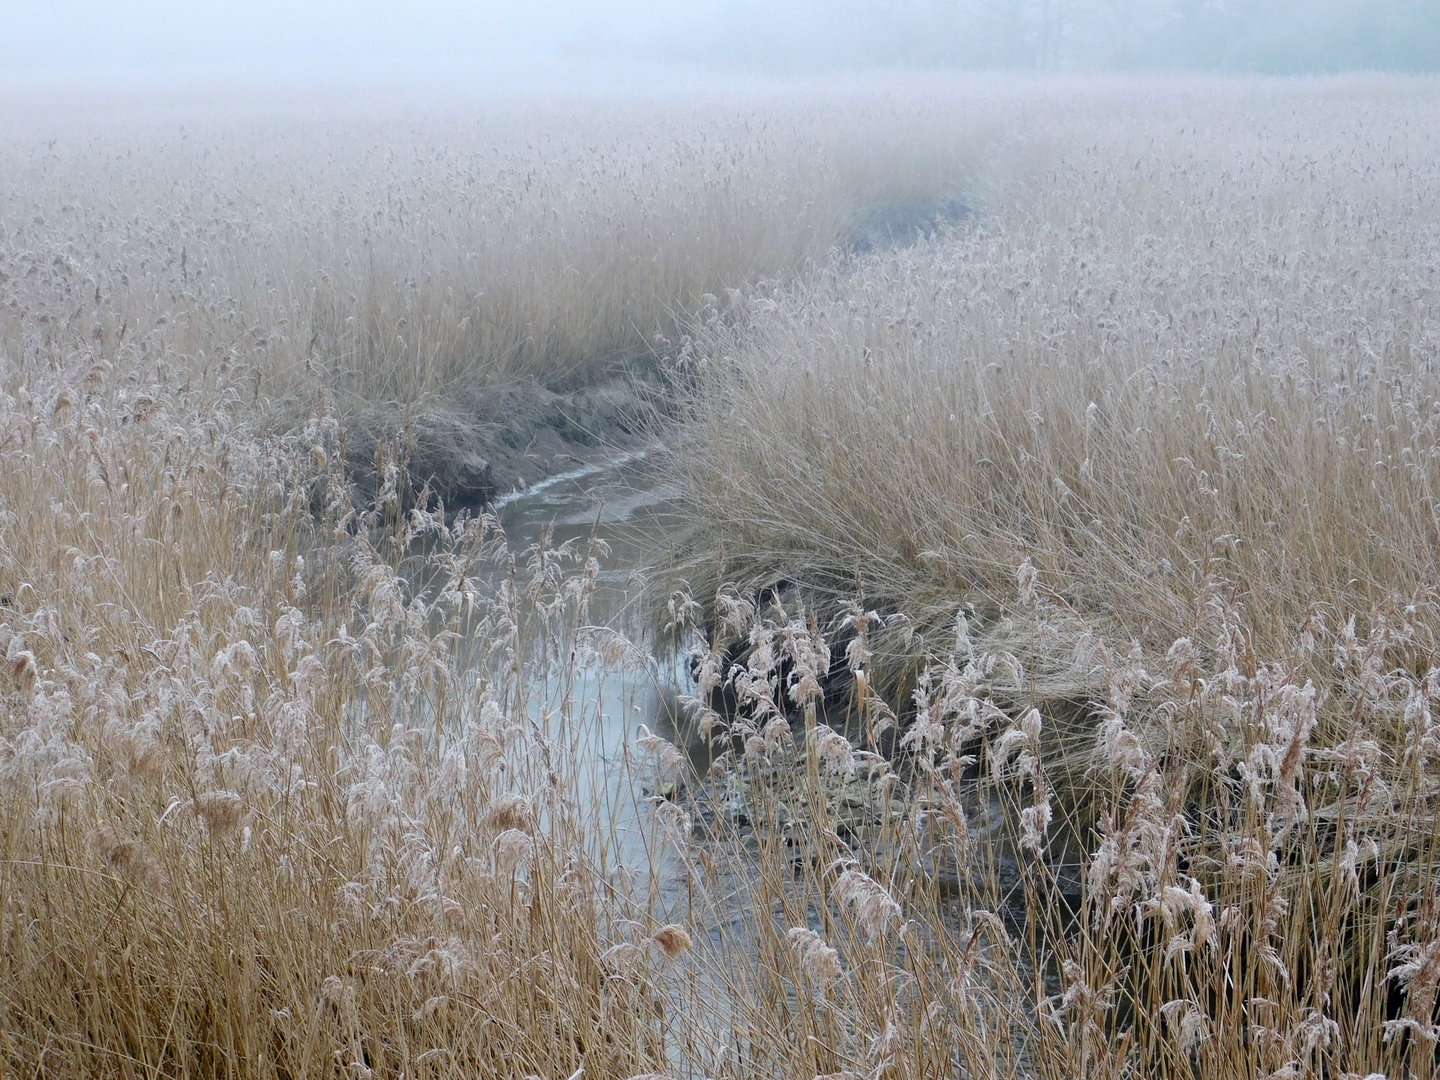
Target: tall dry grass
[(291, 785), (1248, 888), (420, 256), (258, 815), (1144, 464), (1195, 351)]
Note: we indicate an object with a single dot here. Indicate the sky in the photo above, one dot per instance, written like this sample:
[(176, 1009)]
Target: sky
[(176, 35), (78, 39)]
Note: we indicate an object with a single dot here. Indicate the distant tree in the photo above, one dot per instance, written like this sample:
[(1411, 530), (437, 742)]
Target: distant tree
[(1127, 30), (1005, 31), (1302, 36)]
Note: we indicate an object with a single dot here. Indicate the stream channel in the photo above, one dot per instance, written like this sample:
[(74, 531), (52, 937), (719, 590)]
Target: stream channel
[(629, 504)]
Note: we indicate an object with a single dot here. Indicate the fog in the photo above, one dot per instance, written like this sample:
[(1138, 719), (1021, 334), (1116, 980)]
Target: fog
[(66, 39)]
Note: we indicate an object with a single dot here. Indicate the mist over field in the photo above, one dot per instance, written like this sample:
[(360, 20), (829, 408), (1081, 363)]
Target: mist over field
[(319, 36), (578, 540)]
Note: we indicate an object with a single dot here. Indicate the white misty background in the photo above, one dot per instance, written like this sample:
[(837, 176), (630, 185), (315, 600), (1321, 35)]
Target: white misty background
[(1269, 36)]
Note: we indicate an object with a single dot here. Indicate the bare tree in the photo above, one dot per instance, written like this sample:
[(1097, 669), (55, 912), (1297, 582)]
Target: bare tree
[(1054, 26), (1004, 30)]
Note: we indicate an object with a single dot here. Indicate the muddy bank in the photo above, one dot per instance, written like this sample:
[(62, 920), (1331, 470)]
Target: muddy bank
[(904, 222), (473, 453), (520, 435)]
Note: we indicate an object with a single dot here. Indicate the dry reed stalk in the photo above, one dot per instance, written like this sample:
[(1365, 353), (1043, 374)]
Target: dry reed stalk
[(1164, 364), (257, 814)]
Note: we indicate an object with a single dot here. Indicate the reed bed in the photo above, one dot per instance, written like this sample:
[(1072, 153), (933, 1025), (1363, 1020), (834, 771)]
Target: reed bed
[(1061, 636), (1196, 351), (258, 818), (1247, 888), (295, 784), (1152, 445), (418, 257)]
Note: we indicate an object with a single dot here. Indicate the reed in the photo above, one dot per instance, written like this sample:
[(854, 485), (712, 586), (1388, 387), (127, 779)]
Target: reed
[(1194, 353)]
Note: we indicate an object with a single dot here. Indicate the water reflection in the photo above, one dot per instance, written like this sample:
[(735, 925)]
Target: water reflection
[(625, 502), (629, 505)]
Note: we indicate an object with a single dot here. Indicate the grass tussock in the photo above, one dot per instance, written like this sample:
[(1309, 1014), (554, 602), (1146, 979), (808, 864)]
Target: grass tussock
[(1195, 353), (1247, 889), (1160, 433)]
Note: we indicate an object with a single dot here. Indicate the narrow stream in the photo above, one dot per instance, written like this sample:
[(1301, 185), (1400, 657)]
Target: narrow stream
[(629, 505), (626, 502)]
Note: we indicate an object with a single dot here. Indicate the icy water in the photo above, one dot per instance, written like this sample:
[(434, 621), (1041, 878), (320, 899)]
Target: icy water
[(626, 503)]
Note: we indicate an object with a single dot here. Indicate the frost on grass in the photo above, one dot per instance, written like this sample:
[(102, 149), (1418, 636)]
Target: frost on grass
[(1130, 765)]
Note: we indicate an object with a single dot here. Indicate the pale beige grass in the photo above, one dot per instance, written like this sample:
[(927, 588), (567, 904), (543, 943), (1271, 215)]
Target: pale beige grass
[(255, 815), (419, 257), (261, 816), (1196, 351)]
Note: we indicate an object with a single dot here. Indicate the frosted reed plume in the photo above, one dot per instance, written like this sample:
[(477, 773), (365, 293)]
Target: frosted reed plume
[(238, 736), (820, 962)]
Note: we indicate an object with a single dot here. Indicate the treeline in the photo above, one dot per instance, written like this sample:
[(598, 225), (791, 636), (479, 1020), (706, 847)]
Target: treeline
[(1257, 36)]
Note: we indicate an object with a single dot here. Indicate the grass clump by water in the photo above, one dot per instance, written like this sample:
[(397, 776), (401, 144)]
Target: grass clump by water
[(1172, 365), (1246, 887), (259, 816), (1160, 433)]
